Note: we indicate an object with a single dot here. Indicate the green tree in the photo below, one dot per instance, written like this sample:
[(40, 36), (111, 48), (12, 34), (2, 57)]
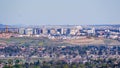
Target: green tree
[(10, 62), (74, 66), (65, 66), (17, 61), (81, 66)]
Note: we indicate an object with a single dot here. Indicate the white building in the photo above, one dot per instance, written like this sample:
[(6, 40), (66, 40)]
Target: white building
[(119, 29), (29, 31), (93, 30), (21, 30), (73, 31)]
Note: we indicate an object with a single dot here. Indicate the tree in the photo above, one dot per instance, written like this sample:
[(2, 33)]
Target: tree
[(17, 61), (65, 66), (10, 62), (81, 66), (74, 66), (17, 65)]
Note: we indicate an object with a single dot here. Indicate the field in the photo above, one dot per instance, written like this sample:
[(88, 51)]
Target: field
[(47, 42), (28, 41), (92, 41)]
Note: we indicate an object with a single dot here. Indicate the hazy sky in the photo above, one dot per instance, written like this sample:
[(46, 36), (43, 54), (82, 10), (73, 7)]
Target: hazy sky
[(59, 12)]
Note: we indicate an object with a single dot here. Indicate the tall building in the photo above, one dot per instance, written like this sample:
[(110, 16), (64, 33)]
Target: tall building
[(53, 31), (93, 30), (78, 28), (119, 29), (29, 31), (48, 31), (67, 31), (44, 31), (38, 31), (21, 31), (63, 31), (73, 31), (59, 31), (34, 31)]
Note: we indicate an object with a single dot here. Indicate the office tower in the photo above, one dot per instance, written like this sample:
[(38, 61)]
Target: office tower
[(59, 31), (119, 29), (16, 30), (53, 31), (78, 28), (48, 31), (93, 30), (44, 31), (21, 30), (73, 31), (29, 31), (65, 31), (34, 31), (38, 31)]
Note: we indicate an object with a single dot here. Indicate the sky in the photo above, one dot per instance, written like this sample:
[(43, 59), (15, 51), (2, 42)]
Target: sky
[(59, 12)]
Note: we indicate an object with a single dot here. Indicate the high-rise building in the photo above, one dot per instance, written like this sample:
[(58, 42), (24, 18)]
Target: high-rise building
[(93, 30), (48, 31), (29, 31), (67, 31), (119, 29), (73, 31), (59, 30), (53, 31), (63, 31), (34, 31), (38, 31), (21, 31), (44, 31)]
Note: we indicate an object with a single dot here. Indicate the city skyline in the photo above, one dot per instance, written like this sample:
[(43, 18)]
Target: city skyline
[(61, 12)]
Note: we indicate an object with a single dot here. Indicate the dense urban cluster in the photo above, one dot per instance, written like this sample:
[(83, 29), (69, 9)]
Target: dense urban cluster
[(63, 32)]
